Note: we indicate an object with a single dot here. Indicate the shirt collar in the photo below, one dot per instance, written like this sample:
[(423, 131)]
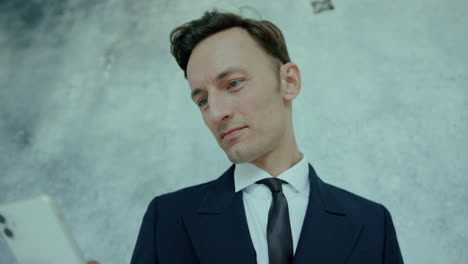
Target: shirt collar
[(297, 176)]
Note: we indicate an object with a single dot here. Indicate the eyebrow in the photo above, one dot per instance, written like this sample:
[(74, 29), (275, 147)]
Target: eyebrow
[(226, 72)]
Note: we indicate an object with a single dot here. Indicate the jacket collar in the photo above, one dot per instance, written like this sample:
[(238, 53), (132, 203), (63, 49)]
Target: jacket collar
[(222, 194)]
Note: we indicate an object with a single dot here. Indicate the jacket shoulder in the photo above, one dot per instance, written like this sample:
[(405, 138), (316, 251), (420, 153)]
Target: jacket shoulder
[(356, 205), (182, 200), (378, 231), (189, 192)]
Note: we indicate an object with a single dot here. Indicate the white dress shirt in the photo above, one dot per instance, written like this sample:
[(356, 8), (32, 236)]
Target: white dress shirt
[(257, 199)]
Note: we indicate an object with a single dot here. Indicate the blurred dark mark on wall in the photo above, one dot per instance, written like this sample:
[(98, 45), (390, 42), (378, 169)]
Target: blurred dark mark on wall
[(17, 128), (22, 138), (320, 6), (28, 14), (24, 21), (20, 18)]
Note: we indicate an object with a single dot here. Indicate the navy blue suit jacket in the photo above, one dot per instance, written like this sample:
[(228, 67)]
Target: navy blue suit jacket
[(206, 223)]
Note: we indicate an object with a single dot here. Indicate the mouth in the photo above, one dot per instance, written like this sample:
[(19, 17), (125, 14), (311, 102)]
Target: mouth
[(233, 133)]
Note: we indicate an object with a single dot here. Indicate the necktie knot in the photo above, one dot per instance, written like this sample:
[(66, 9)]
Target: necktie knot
[(274, 184)]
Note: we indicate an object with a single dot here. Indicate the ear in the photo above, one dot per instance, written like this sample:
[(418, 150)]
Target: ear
[(290, 80)]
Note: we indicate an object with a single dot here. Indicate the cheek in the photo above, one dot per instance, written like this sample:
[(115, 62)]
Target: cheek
[(264, 107), (211, 127), (261, 115), (208, 125), (272, 115)]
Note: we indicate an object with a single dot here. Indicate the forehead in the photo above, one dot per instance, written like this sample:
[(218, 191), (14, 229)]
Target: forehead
[(231, 48)]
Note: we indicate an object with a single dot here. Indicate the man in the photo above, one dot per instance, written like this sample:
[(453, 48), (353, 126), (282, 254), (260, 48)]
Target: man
[(269, 206)]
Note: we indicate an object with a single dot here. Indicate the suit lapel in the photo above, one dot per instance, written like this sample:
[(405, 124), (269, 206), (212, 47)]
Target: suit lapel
[(219, 229), (327, 234)]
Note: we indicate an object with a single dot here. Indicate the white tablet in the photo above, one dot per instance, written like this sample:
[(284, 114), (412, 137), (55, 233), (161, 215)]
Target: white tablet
[(35, 232)]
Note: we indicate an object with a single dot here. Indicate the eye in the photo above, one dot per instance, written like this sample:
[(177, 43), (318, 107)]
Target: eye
[(234, 83), (204, 99)]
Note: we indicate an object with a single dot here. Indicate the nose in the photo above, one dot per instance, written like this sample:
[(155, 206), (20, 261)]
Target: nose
[(219, 108)]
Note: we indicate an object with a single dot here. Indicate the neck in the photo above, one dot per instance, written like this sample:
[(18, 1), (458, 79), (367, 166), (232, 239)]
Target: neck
[(279, 160)]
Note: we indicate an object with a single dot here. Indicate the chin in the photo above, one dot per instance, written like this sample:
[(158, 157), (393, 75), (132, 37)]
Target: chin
[(239, 156), (236, 160), (234, 157)]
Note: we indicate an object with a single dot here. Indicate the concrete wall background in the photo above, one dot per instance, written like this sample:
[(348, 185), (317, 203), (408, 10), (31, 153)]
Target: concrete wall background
[(95, 112)]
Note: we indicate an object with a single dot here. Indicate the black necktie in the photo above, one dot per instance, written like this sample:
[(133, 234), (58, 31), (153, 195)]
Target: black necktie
[(280, 246)]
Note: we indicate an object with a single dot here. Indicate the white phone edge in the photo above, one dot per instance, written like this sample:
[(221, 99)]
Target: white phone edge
[(22, 214)]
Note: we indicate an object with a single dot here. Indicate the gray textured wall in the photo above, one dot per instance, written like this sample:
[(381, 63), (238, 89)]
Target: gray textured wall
[(95, 112)]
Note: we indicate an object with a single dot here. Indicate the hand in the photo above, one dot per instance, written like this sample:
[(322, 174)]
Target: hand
[(92, 262)]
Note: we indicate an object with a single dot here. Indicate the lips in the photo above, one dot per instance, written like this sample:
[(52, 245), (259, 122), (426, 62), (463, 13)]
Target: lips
[(231, 130)]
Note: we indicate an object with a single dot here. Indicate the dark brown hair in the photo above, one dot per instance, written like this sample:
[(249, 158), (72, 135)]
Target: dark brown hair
[(185, 37)]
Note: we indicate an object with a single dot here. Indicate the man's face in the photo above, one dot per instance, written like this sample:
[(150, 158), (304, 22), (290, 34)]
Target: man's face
[(234, 86)]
